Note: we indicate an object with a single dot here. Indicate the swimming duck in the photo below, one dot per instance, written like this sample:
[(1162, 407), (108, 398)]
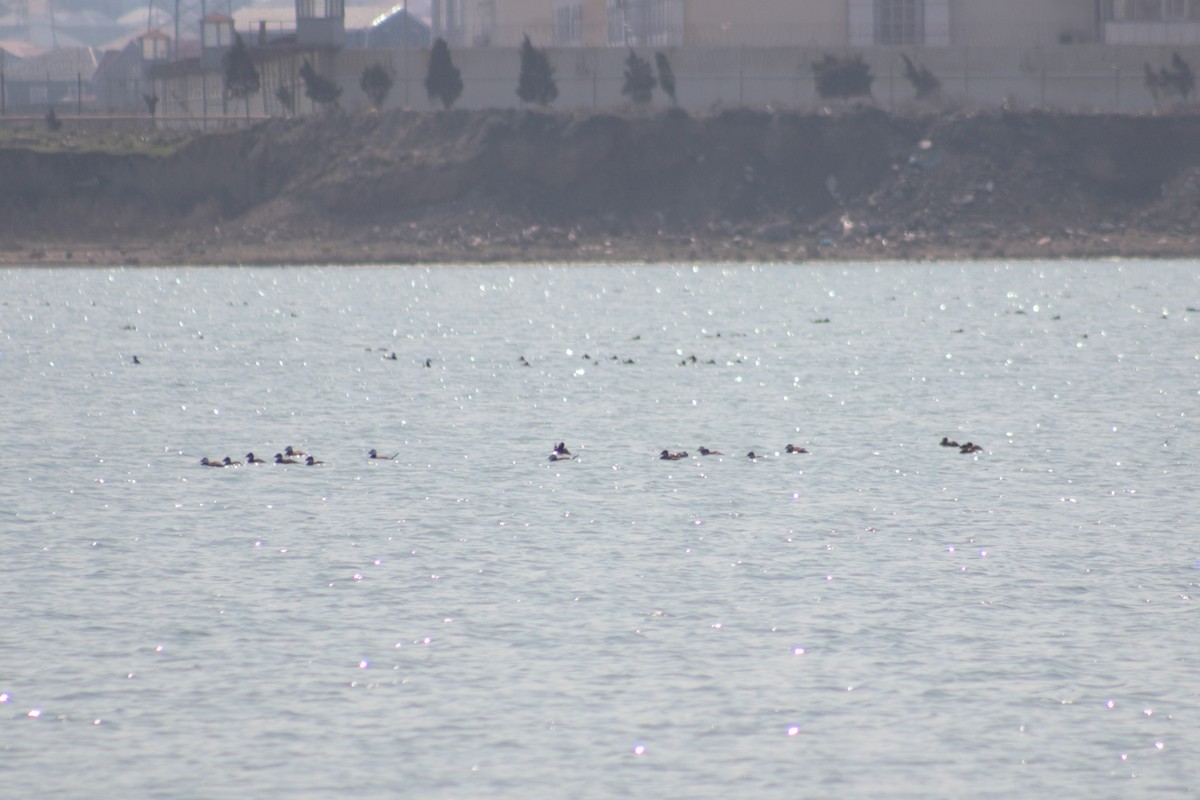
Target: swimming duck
[(949, 442), (561, 449), (279, 459), (206, 461), (752, 456), (136, 360), (288, 451), (704, 451), (560, 457), (372, 454), (667, 455), (312, 462), (970, 447), (252, 459), (231, 463), (791, 448)]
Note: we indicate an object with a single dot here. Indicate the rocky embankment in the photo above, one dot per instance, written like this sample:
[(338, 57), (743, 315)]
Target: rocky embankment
[(526, 186)]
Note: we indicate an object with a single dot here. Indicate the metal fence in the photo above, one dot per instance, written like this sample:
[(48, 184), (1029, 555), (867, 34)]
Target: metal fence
[(1076, 77)]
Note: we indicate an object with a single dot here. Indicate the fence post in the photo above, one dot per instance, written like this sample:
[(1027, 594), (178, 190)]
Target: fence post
[(892, 84), (966, 74), (1116, 87), (741, 76)]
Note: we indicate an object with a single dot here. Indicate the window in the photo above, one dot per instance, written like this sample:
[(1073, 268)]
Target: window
[(645, 22), (899, 21), (568, 24), (1157, 10)]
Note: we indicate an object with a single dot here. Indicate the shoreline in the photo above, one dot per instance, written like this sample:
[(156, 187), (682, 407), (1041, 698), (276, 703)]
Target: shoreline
[(1129, 245)]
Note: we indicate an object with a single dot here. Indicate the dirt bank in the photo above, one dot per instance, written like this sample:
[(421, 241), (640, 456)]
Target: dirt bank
[(528, 186)]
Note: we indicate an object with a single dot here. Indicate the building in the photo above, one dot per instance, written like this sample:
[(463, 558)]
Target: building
[(815, 23), (1151, 22), (60, 79)]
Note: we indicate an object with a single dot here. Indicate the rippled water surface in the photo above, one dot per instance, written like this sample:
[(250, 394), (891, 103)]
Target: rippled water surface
[(881, 617)]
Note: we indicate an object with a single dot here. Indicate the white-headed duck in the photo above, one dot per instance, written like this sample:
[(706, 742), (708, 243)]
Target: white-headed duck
[(667, 455), (252, 459), (704, 451), (279, 459), (791, 448), (372, 454)]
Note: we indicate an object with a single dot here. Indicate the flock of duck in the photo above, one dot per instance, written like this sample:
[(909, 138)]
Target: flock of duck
[(290, 455), (969, 447), (559, 453)]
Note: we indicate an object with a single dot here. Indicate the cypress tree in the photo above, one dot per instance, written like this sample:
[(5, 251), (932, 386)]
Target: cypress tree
[(318, 88), (666, 75), (443, 81), (376, 83), (639, 79), (241, 76), (536, 83)]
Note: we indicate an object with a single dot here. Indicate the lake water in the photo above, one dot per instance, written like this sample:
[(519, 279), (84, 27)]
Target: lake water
[(881, 617)]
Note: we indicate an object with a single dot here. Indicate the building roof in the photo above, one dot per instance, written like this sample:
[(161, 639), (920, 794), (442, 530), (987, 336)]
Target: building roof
[(19, 48), (283, 16)]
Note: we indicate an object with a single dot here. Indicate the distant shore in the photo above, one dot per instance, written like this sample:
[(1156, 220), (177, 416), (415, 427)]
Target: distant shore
[(612, 250), (526, 187)]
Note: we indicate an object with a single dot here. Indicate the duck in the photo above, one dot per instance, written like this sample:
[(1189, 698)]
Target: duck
[(560, 449), (252, 459), (970, 447), (667, 455), (136, 360), (372, 454), (208, 462), (312, 462), (231, 463), (279, 459), (290, 453), (791, 448), (704, 451), (560, 457), (946, 442), (752, 456)]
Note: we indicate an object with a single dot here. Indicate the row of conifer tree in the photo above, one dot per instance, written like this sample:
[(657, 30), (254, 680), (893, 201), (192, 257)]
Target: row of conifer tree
[(443, 81)]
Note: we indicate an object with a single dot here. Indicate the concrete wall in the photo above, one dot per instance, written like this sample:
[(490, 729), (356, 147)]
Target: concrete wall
[(1075, 77)]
